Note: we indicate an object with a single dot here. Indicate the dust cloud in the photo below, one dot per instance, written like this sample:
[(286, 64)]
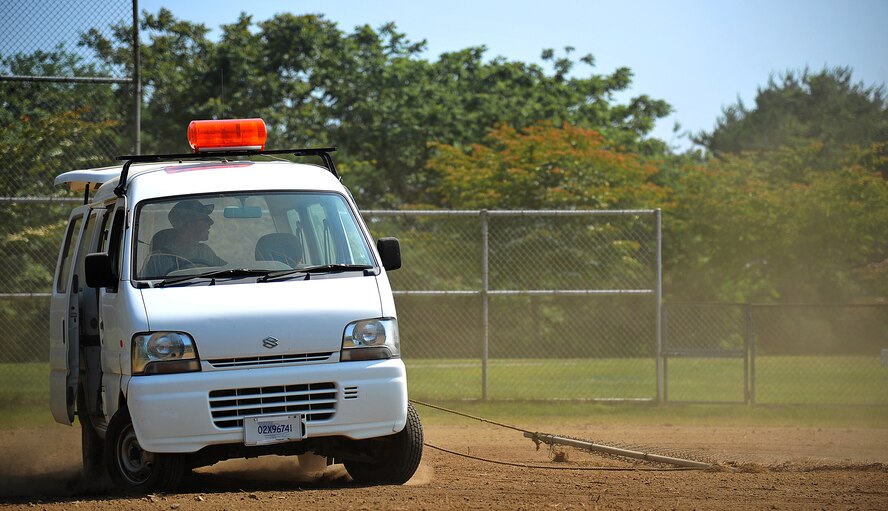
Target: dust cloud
[(423, 476), (309, 469), (278, 469), (44, 463)]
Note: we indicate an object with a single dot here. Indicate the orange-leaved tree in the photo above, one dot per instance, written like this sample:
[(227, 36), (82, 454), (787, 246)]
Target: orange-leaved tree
[(540, 167)]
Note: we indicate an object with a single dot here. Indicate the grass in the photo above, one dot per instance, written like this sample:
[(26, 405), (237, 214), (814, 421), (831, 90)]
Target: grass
[(26, 382), (537, 414), (811, 391), (533, 379), (831, 380)]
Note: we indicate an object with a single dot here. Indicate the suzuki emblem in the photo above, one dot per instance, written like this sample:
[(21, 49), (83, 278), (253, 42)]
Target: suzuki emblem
[(270, 342)]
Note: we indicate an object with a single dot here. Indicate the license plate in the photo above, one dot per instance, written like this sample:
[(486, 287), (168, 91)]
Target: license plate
[(274, 429)]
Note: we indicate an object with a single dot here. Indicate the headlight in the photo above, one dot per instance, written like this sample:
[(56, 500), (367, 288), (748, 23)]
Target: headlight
[(163, 352), (371, 339)]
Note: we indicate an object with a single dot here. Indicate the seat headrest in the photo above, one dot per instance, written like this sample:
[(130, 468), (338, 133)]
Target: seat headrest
[(279, 246), (163, 240)]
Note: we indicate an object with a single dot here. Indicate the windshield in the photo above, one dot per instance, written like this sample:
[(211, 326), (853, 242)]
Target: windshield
[(256, 231)]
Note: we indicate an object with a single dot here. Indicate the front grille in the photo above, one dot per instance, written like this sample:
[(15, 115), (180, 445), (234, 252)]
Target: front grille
[(268, 360), (316, 401)]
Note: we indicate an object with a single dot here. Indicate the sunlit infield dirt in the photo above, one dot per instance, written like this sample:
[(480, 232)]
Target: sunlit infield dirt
[(757, 468)]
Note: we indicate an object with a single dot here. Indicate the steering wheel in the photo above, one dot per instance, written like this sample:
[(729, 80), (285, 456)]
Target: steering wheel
[(162, 263), (283, 257)]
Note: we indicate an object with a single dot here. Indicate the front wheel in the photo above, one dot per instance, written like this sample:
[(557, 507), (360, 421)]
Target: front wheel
[(393, 459), (134, 470)]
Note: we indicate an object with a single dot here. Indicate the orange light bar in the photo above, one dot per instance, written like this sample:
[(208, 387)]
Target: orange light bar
[(227, 135)]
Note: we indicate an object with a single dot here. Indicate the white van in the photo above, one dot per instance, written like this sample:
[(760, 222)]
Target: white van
[(210, 306)]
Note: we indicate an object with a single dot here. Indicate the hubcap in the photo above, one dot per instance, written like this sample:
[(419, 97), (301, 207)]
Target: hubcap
[(135, 463)]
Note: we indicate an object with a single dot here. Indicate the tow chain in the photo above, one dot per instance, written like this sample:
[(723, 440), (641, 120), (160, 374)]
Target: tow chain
[(539, 438)]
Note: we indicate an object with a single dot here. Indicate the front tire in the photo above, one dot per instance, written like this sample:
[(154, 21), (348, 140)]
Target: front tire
[(395, 457), (131, 468)]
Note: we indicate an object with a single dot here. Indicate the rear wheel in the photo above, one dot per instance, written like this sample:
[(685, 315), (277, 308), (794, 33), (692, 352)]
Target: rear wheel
[(394, 459), (133, 469)]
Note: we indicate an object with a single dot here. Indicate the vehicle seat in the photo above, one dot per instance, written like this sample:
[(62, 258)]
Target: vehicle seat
[(162, 241), (279, 246)]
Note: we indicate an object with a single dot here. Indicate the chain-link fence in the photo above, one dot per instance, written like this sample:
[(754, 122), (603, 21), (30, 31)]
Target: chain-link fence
[(63, 105), (527, 304), (28, 27), (706, 343), (530, 306), (30, 235), (499, 305), (776, 354)]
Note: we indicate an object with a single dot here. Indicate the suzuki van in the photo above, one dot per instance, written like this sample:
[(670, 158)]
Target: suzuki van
[(227, 303)]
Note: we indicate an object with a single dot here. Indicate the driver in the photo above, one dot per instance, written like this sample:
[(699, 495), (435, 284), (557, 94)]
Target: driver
[(184, 248)]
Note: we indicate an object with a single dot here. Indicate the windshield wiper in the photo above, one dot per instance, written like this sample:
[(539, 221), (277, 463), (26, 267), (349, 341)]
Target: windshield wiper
[(215, 274), (335, 268), (321, 268)]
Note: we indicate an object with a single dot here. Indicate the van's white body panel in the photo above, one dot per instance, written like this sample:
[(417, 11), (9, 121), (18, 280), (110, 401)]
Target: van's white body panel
[(174, 415), (230, 320), (304, 316)]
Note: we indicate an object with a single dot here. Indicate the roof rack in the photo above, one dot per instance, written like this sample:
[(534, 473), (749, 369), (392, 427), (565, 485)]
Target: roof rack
[(323, 152)]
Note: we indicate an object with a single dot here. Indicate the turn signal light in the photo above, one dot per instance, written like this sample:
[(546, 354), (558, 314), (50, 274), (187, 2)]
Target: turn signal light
[(227, 135)]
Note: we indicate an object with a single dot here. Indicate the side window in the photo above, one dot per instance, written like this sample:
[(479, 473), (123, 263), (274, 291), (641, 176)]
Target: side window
[(115, 241), (294, 220), (329, 232), (103, 235), (321, 225), (88, 299), (354, 240), (68, 254), (84, 247)]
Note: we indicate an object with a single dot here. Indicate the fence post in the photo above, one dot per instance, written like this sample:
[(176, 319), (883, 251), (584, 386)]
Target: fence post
[(747, 393), (658, 217), (485, 299), (752, 342), (665, 329), (137, 80)]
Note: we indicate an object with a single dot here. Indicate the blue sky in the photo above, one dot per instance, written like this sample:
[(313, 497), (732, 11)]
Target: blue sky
[(697, 55)]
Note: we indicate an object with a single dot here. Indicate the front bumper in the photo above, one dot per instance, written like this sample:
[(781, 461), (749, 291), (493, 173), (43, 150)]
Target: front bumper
[(173, 413)]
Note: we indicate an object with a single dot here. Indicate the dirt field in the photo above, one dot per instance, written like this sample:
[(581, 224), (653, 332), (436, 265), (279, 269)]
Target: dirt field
[(777, 468)]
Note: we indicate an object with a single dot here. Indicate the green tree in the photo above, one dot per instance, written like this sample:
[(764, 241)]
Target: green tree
[(775, 226), (46, 128), (800, 108), (405, 103), (369, 92)]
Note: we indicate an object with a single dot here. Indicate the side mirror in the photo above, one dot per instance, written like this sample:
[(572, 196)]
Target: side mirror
[(390, 252), (99, 272)]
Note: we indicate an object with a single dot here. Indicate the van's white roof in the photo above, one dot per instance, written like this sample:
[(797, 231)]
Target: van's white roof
[(148, 180)]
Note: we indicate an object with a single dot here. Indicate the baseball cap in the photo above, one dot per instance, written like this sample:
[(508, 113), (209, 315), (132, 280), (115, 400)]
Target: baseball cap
[(189, 210)]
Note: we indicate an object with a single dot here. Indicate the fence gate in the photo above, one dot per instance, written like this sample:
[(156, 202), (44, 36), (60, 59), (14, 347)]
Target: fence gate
[(706, 352)]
